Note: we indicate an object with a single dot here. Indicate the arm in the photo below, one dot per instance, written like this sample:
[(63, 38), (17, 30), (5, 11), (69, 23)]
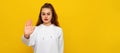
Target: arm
[(61, 43), (29, 34)]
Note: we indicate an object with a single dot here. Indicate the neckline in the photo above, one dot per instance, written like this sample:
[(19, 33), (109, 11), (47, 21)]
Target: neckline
[(46, 25)]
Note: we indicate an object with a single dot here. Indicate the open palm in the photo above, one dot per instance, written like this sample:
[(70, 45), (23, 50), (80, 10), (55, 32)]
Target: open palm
[(28, 29)]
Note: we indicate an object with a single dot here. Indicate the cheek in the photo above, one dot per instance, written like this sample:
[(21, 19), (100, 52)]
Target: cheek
[(42, 17), (49, 17)]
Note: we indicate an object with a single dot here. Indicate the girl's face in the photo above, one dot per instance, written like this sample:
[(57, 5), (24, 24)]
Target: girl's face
[(46, 15)]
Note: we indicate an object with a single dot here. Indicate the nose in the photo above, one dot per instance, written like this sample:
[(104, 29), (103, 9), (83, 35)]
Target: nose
[(46, 16)]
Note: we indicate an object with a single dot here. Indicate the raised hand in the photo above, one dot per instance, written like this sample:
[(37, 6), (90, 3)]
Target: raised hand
[(28, 29)]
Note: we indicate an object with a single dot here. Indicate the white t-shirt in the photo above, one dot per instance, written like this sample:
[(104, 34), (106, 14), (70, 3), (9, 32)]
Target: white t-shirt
[(46, 39)]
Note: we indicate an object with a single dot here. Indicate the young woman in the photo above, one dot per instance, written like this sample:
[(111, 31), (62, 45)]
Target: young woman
[(46, 36)]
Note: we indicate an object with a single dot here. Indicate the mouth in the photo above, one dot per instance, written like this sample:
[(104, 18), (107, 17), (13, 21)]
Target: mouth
[(45, 19)]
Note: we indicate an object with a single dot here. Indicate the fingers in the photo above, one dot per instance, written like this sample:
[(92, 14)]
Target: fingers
[(28, 27), (28, 23)]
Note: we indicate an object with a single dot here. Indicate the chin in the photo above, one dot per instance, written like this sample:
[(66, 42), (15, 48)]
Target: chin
[(45, 22)]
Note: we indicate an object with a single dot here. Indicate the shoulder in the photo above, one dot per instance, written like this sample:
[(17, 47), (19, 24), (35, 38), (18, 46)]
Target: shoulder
[(35, 28), (59, 31), (57, 28)]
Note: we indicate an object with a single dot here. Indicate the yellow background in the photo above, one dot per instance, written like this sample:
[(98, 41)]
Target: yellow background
[(90, 26)]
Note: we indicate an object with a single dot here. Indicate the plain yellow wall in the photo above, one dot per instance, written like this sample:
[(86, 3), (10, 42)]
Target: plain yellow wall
[(90, 26)]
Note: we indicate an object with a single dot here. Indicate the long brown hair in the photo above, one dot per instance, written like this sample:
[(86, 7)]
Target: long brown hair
[(54, 15)]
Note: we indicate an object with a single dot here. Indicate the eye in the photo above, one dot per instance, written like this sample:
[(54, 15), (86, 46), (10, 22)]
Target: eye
[(43, 14), (48, 13)]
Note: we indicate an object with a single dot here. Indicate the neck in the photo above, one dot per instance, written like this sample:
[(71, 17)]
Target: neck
[(47, 24)]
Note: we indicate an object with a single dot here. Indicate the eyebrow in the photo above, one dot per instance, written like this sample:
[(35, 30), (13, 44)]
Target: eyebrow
[(44, 12)]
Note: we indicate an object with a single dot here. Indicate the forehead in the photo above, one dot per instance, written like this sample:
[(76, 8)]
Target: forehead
[(46, 10)]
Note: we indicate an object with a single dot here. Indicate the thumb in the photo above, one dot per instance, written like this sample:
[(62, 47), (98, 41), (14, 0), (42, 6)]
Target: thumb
[(33, 27)]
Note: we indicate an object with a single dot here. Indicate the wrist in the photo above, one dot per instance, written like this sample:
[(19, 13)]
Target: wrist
[(26, 36)]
